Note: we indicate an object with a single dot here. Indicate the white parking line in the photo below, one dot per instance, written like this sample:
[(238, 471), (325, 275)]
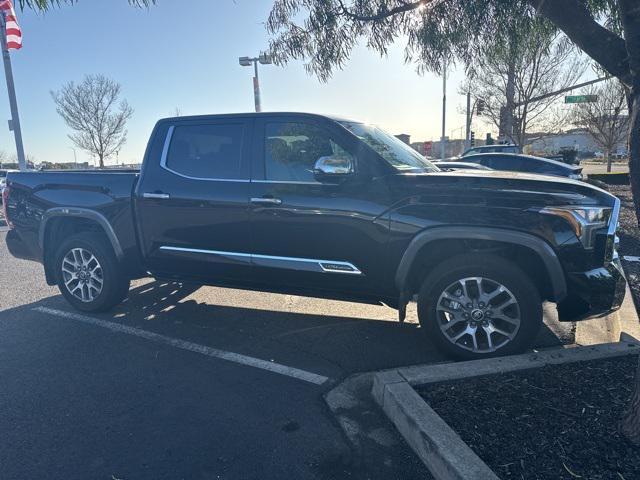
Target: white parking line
[(192, 347), (630, 258)]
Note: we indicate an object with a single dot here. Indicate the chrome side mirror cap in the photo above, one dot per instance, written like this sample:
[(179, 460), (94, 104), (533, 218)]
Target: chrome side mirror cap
[(333, 166)]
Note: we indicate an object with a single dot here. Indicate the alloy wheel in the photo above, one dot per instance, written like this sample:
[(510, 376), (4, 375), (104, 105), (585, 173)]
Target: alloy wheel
[(478, 314), (82, 274)]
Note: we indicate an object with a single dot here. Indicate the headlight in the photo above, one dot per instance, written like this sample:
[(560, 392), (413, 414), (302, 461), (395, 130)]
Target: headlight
[(576, 176), (583, 220)]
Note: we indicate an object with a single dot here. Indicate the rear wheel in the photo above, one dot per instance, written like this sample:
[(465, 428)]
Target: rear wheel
[(480, 306), (89, 274)]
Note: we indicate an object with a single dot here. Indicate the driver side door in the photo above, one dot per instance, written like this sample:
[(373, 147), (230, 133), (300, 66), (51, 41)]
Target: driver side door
[(309, 232)]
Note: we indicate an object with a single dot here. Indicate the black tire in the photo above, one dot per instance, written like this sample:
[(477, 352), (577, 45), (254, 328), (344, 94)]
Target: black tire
[(115, 285), (495, 271)]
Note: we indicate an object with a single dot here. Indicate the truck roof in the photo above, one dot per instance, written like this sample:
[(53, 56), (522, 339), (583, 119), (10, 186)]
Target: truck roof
[(336, 118)]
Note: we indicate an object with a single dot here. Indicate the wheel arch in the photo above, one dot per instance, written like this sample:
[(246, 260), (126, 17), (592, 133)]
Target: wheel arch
[(545, 259), (63, 221)]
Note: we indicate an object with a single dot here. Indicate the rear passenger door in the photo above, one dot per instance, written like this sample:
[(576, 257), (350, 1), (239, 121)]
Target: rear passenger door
[(192, 200)]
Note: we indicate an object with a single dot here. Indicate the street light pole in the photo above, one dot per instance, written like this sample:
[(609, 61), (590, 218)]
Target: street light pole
[(75, 157), (264, 59), (256, 87), (443, 147), (467, 136)]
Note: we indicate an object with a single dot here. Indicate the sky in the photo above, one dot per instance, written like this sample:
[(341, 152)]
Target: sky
[(187, 58)]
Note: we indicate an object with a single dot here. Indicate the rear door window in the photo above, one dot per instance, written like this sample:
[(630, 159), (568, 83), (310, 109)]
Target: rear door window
[(208, 151)]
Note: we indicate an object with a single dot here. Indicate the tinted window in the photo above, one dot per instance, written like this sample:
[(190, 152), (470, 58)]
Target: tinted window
[(480, 159), (207, 151), (292, 150), (513, 164), (544, 168)]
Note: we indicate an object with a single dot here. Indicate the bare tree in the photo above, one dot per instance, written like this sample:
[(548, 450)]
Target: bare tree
[(606, 119), (92, 110), (534, 63)]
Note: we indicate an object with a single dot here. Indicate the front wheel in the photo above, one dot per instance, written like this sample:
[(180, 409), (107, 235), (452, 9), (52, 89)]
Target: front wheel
[(479, 306), (89, 274)]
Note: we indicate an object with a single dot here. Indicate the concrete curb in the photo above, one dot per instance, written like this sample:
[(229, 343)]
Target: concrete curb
[(610, 328), (438, 446)]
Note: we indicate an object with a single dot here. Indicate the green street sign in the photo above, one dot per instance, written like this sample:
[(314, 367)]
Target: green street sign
[(581, 99)]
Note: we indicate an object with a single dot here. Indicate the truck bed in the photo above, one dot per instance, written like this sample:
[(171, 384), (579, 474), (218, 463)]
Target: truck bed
[(37, 196)]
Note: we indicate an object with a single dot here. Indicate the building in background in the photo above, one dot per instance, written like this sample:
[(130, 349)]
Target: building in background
[(453, 148), (406, 138), (578, 139)]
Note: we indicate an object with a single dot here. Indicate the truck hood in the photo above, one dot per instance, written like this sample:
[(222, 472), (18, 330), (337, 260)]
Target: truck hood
[(498, 188)]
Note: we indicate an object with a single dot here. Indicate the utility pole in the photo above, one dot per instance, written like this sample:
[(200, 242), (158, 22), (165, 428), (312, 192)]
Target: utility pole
[(14, 123), (443, 138)]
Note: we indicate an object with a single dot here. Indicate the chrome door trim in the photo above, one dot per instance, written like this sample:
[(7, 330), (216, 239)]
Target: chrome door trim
[(292, 263), (163, 163), (241, 257), (165, 148), (156, 195), (286, 182), (265, 201)]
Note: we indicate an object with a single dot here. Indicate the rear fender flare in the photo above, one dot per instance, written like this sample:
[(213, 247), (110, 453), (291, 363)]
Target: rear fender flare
[(92, 215)]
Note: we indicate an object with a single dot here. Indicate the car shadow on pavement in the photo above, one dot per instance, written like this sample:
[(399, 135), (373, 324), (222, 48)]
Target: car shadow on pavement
[(336, 341)]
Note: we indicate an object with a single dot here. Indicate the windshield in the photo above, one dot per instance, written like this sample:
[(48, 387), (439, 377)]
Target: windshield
[(400, 155)]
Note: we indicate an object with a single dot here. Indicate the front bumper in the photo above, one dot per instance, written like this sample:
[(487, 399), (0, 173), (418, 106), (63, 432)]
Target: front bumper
[(594, 293)]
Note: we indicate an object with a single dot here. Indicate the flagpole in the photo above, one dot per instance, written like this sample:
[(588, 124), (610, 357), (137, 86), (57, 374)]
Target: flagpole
[(14, 123)]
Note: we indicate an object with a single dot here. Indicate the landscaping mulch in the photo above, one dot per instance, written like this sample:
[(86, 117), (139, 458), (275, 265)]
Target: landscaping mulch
[(555, 422), (629, 234)]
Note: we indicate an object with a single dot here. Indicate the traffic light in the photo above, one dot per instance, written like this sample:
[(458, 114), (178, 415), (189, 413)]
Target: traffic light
[(473, 138), (480, 106)]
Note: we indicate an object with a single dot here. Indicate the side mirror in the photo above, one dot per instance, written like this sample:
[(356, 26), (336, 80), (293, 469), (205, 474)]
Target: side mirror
[(333, 167)]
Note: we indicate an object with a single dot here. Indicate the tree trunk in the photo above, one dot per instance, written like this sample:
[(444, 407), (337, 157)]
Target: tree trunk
[(630, 425), (100, 161), (608, 159), (507, 120), (634, 149)]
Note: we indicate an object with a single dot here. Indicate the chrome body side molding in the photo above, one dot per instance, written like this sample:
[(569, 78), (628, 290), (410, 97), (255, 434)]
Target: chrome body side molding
[(291, 263)]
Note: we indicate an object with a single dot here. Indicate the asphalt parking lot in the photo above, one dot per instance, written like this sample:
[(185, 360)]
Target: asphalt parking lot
[(194, 383)]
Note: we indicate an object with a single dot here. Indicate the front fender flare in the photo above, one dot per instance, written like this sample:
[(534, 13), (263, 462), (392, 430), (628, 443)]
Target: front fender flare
[(541, 248)]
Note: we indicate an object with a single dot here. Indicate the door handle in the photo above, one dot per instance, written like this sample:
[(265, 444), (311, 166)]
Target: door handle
[(266, 201), (156, 195)]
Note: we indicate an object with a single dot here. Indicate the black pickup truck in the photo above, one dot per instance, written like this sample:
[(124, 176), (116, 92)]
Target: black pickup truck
[(326, 207)]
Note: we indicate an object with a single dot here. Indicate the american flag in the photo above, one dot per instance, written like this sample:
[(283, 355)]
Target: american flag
[(14, 34)]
